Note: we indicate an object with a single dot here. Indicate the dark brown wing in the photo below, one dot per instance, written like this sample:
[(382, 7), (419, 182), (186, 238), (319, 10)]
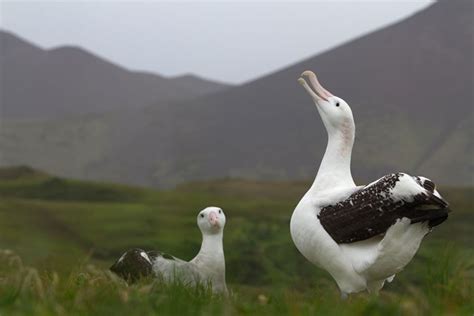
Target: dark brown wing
[(376, 207), (133, 265)]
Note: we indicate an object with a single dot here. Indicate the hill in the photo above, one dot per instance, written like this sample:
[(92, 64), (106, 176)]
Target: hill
[(409, 85), (68, 80)]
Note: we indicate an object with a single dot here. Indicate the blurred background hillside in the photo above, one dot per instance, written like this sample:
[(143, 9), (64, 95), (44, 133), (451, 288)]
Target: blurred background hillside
[(73, 113)]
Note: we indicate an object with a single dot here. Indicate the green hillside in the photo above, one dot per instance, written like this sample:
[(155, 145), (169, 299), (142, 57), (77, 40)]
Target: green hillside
[(61, 226)]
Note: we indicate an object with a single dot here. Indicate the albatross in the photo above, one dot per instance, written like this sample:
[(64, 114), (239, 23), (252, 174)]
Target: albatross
[(362, 235), (207, 267)]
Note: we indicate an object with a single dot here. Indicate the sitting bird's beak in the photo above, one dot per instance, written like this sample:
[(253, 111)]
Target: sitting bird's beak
[(213, 219)]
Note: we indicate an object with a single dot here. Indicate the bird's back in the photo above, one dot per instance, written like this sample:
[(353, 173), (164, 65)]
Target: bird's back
[(133, 265), (137, 263)]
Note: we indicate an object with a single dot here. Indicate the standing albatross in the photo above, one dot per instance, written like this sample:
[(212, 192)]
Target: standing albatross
[(361, 235), (208, 267)]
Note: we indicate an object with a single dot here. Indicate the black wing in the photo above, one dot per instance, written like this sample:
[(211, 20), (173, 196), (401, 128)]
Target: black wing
[(133, 265), (373, 209), (137, 263)]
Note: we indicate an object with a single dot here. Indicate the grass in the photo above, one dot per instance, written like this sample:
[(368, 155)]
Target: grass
[(90, 290), (63, 236)]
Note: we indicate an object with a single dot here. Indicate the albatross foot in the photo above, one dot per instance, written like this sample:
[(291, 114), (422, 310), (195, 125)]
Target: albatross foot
[(344, 296)]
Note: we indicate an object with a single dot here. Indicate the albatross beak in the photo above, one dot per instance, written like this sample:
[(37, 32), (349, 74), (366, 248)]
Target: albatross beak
[(213, 219), (316, 90)]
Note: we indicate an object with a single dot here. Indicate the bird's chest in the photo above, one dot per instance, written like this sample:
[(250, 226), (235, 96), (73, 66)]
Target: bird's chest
[(304, 227), (310, 237), (210, 270)]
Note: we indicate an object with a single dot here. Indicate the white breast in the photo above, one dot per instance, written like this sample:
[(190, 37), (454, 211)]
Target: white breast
[(315, 244)]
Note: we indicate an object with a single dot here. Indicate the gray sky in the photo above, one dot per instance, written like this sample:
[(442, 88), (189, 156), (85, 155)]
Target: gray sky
[(227, 41)]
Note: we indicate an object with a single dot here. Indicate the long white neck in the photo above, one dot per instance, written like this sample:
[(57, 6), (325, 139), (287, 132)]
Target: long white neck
[(212, 250), (335, 168), (211, 262)]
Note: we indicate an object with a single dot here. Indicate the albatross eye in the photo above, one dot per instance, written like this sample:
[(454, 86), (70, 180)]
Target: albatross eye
[(337, 103), (220, 211), (202, 215)]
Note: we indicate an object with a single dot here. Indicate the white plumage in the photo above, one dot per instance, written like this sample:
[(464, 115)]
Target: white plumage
[(207, 267), (363, 235)]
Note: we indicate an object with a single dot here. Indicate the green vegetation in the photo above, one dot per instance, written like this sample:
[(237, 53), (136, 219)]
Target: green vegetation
[(63, 234)]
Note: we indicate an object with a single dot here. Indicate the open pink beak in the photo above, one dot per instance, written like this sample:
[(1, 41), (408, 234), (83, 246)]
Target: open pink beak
[(316, 90), (213, 219)]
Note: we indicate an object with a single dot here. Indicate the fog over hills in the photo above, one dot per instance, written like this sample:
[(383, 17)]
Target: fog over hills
[(410, 86)]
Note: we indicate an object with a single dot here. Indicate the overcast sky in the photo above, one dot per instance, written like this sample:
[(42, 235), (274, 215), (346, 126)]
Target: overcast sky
[(227, 41)]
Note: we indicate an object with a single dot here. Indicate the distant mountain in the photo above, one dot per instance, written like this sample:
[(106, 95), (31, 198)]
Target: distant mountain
[(410, 86), (37, 83)]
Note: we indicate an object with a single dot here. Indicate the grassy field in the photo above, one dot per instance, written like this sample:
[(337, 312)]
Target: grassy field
[(59, 236)]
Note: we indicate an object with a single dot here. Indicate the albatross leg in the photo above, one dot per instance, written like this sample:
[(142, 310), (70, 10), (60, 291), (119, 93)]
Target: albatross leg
[(375, 286), (344, 296)]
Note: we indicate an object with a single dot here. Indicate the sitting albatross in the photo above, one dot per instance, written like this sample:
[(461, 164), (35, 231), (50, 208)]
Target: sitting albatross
[(208, 267), (362, 235)]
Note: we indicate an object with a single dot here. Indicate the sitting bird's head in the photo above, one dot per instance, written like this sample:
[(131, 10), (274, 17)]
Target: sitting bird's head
[(211, 220)]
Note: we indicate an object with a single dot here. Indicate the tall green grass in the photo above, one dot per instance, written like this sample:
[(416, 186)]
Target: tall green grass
[(64, 234), (445, 290)]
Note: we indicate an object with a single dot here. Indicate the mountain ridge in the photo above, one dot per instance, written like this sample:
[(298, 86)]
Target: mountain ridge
[(447, 67), (70, 80), (409, 85)]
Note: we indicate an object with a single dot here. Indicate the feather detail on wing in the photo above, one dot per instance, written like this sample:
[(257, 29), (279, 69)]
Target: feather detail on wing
[(137, 263), (374, 208)]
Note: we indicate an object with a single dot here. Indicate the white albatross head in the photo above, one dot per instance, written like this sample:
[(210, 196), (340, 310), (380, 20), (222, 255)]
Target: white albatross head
[(334, 111), (211, 220)]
